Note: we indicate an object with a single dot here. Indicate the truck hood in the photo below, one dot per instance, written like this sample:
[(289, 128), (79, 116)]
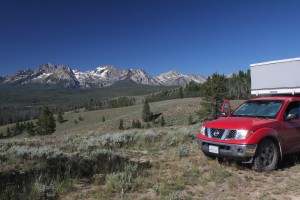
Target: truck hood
[(240, 123)]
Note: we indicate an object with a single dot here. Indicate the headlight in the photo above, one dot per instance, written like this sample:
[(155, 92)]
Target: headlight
[(242, 134), (202, 130)]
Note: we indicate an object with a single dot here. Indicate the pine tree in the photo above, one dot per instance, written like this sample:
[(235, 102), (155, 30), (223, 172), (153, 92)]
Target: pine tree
[(103, 119), (138, 124), (146, 114), (190, 120), (148, 125), (17, 128), (214, 92), (162, 121), (46, 122), (133, 124), (8, 133), (29, 128), (121, 124), (22, 127), (180, 93), (80, 118), (60, 118)]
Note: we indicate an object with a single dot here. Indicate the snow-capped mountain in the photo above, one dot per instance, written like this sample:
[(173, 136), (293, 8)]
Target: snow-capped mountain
[(174, 78), (103, 76), (46, 74)]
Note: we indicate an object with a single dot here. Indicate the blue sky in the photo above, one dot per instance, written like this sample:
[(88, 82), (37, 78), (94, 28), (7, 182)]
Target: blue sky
[(190, 36)]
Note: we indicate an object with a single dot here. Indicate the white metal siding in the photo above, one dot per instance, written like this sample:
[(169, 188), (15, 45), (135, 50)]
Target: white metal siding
[(273, 77)]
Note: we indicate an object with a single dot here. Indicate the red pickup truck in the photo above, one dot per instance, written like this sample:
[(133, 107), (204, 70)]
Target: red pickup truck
[(259, 132)]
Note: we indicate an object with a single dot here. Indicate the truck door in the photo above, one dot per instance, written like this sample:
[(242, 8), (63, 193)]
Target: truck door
[(226, 108), (291, 129)]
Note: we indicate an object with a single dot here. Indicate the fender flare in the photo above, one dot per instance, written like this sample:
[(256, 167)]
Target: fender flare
[(266, 133)]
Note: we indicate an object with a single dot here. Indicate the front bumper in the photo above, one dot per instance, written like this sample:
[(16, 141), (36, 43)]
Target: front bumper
[(241, 152)]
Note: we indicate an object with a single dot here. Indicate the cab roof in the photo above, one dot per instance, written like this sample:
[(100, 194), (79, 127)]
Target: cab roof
[(282, 98)]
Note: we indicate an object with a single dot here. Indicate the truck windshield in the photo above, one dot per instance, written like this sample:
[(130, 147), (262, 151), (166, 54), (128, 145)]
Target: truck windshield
[(259, 108)]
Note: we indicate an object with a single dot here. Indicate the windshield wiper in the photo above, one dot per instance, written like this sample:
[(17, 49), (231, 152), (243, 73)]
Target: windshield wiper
[(266, 117)]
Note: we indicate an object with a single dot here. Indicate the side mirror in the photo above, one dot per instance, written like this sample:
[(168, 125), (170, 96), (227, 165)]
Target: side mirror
[(291, 117), (225, 111), (223, 114)]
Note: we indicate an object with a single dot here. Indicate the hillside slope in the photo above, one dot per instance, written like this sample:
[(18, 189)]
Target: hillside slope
[(175, 112)]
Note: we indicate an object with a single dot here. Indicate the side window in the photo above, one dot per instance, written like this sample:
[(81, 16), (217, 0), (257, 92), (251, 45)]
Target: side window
[(293, 108)]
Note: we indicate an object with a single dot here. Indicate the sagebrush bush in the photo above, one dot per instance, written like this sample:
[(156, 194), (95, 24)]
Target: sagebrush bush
[(122, 181), (175, 196), (43, 191), (183, 151)]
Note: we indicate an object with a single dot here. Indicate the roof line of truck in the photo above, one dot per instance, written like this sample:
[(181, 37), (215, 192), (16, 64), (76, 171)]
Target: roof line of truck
[(275, 61), (278, 98)]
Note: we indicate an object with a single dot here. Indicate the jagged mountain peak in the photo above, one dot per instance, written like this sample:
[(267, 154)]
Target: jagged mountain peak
[(172, 72), (47, 66), (105, 67), (101, 76), (175, 78)]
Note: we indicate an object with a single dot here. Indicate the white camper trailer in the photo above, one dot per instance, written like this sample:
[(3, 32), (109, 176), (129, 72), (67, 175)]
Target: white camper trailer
[(276, 77)]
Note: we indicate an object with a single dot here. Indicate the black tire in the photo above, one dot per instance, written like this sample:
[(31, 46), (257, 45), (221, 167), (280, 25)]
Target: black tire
[(266, 157)]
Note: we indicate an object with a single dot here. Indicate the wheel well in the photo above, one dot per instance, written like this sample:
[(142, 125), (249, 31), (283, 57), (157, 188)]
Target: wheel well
[(276, 143)]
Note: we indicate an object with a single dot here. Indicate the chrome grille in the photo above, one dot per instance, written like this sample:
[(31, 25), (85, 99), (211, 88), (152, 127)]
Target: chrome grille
[(231, 134), (216, 133), (222, 134)]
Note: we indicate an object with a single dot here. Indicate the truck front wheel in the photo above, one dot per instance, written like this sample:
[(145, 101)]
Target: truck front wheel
[(266, 157)]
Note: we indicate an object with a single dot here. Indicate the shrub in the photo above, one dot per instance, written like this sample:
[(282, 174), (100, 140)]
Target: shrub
[(175, 196), (148, 125), (121, 124), (43, 191), (122, 181), (170, 140), (183, 151), (99, 179)]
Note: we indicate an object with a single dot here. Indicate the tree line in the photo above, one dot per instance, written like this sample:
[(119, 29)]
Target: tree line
[(238, 86), (108, 103), (45, 125), (12, 114)]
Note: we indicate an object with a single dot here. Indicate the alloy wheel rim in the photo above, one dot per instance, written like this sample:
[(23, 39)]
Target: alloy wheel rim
[(267, 156)]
